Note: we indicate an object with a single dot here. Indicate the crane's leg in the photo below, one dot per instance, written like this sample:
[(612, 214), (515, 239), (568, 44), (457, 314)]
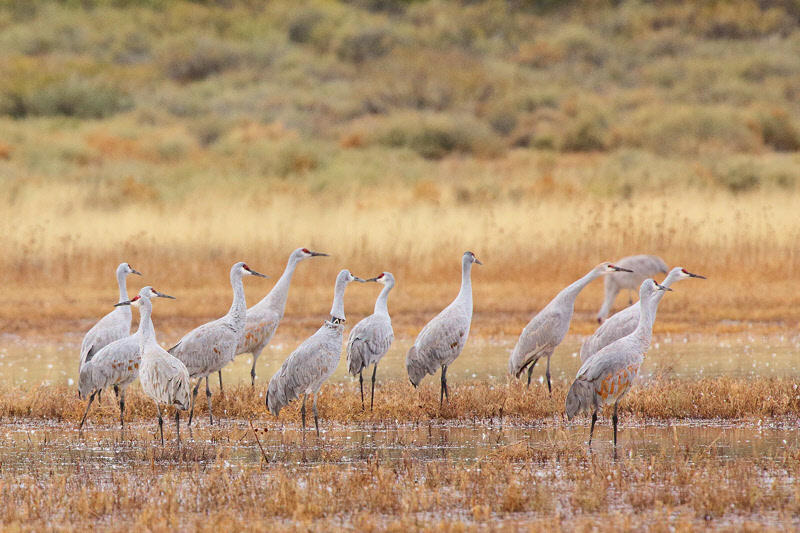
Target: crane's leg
[(444, 393), (116, 391), (208, 398), (253, 370), (591, 430), (303, 414), (178, 424), (122, 409), (194, 397), (316, 417), (160, 423), (100, 396), (530, 371), (220, 382), (547, 373), (361, 384), (372, 396), (614, 420), (91, 399)]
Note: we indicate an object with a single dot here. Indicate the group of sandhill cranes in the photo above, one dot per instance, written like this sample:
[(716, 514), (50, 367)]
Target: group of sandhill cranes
[(111, 357)]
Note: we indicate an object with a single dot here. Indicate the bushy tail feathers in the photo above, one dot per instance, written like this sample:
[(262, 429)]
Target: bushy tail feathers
[(416, 370), (579, 398)]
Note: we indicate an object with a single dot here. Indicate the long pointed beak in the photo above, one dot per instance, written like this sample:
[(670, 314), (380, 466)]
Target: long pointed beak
[(620, 269), (663, 288), (319, 254), (260, 275), (135, 272), (696, 276), (122, 303), (360, 280), (372, 279), (476, 260), (162, 295)]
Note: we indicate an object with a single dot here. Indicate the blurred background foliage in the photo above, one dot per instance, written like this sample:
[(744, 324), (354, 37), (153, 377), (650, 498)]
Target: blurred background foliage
[(167, 97)]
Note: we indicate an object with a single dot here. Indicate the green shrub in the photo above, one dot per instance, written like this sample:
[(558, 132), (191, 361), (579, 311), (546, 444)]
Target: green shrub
[(301, 28), (778, 130), (75, 98), (365, 44)]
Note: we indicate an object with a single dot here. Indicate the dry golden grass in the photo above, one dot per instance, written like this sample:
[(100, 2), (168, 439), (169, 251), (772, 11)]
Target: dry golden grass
[(664, 399)]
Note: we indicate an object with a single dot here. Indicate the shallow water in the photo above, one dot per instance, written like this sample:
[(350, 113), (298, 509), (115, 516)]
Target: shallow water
[(27, 364), (60, 447)]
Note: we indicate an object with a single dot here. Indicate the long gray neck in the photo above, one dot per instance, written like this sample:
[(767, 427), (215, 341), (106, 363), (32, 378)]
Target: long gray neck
[(465, 294), (238, 310), (125, 310), (337, 310), (671, 278), (147, 334), (277, 296), (380, 304), (569, 294), (644, 330)]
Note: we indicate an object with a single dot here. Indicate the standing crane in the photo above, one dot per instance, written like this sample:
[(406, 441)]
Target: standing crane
[(314, 361), (208, 348), (441, 340), (116, 364), (547, 329), (264, 317), (114, 326), (639, 268), (164, 378), (625, 322), (608, 375), (371, 338)]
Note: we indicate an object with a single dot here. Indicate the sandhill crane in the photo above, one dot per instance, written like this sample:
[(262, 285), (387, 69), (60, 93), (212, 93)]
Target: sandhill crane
[(625, 322), (208, 348), (640, 267), (371, 338), (547, 329), (314, 361), (164, 378), (114, 326), (264, 317), (117, 365), (607, 376), (441, 340)]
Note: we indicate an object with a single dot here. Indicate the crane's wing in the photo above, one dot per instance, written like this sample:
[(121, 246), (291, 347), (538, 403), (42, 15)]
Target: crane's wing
[(369, 341), (619, 325), (206, 348), (542, 334), (439, 342), (117, 363), (112, 327), (165, 379), (258, 331)]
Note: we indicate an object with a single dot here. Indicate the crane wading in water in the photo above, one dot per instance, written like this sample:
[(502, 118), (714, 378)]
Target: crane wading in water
[(608, 375), (548, 328), (117, 365), (441, 340), (371, 338), (164, 378), (314, 361), (640, 267), (264, 317), (625, 322), (114, 326), (208, 348)]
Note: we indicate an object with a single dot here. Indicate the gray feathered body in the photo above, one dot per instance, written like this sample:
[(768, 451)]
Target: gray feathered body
[(114, 326), (617, 326), (368, 342), (440, 342), (116, 364), (542, 335), (164, 378), (208, 348), (607, 376), (307, 368)]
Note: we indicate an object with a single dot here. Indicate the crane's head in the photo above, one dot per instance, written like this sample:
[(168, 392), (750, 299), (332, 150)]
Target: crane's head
[(685, 274), (650, 287), (241, 269), (346, 277), (610, 268), (470, 257), (126, 268), (384, 278), (150, 292), (304, 253), (136, 301)]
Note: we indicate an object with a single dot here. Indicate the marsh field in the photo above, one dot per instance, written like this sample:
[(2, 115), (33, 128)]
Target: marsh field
[(544, 136)]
